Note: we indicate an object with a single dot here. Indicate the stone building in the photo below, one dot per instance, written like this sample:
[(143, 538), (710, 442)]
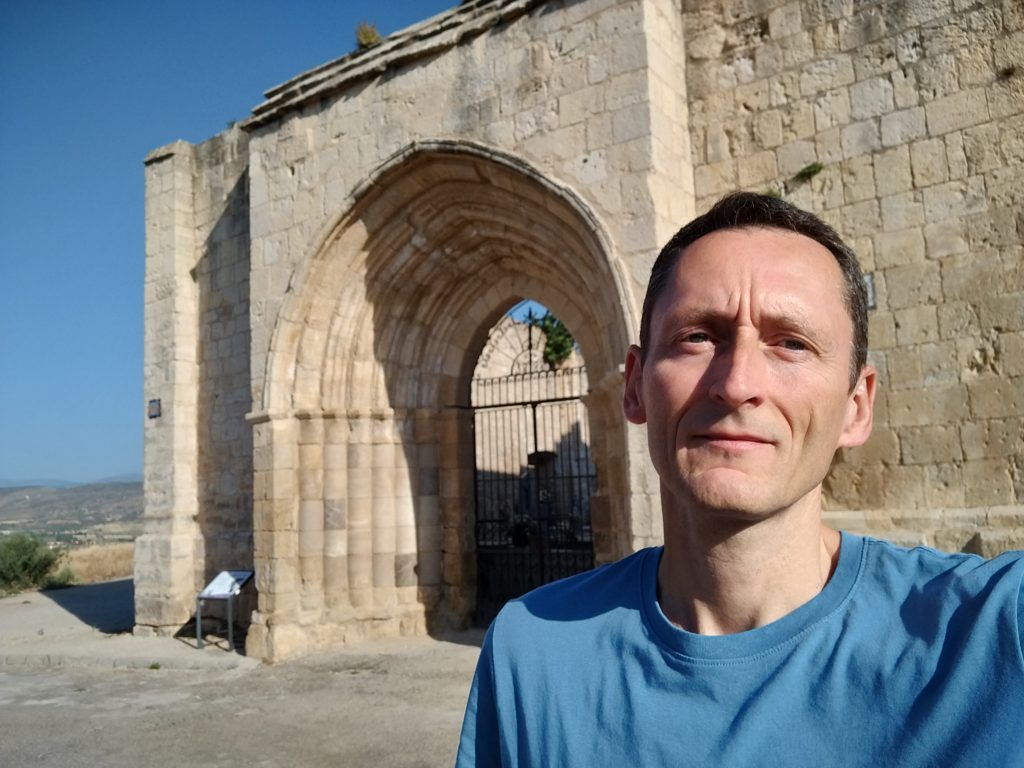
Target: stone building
[(321, 279)]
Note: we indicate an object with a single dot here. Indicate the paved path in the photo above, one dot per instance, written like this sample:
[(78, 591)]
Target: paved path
[(75, 692)]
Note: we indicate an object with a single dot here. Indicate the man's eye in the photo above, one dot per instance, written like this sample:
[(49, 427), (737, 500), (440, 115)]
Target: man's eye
[(794, 344), (698, 337)]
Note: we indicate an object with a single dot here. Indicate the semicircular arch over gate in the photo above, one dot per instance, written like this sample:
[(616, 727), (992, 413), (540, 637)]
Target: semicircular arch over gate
[(363, 447)]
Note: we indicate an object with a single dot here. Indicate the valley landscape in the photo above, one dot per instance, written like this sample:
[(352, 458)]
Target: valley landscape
[(94, 513)]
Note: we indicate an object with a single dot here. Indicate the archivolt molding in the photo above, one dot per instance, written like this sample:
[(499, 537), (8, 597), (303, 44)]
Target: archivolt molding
[(402, 288)]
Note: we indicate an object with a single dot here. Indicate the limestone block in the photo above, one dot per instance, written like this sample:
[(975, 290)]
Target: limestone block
[(913, 284), (904, 88), (826, 73), (928, 162), (1003, 311), (904, 369), (848, 486), (860, 219), (798, 120), (996, 397), (916, 325), (992, 438), (982, 148), (959, 110), (831, 109), (903, 126), (883, 447), (768, 59), (1006, 95), (794, 156), (945, 238), (798, 49), (988, 481), (955, 198), (768, 128), (939, 363), (1011, 346), (860, 138), (974, 278), (828, 146), (785, 21), (929, 406), (900, 247), (943, 486), (715, 179), (858, 176), (892, 171), (930, 444), (881, 330), (903, 486), (871, 98), (757, 169), (861, 28)]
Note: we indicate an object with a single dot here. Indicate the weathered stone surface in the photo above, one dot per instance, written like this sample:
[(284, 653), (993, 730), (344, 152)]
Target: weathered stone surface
[(315, 289)]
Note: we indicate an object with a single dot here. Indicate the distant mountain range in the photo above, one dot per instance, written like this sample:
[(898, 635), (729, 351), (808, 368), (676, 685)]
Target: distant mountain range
[(131, 477), (49, 509)]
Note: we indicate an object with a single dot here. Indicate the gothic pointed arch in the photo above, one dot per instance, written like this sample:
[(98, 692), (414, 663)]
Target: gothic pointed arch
[(364, 418)]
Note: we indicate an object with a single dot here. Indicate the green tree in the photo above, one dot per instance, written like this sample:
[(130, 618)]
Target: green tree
[(25, 562), (559, 342)]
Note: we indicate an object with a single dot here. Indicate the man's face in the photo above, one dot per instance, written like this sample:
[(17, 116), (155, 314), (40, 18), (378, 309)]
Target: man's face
[(745, 385)]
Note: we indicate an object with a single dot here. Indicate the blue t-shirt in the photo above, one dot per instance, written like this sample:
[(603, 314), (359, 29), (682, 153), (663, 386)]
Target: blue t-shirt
[(907, 657)]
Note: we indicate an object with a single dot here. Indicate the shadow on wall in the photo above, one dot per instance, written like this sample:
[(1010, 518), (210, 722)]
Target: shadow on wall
[(225, 508)]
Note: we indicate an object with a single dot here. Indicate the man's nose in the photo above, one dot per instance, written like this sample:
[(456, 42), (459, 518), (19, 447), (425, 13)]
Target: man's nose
[(738, 372)]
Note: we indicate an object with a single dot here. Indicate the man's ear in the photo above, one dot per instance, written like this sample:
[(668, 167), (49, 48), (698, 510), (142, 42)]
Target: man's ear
[(632, 398), (860, 410)]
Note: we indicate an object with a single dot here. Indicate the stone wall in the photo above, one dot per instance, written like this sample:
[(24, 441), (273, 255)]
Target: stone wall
[(321, 280), (224, 480), (198, 452), (902, 124)]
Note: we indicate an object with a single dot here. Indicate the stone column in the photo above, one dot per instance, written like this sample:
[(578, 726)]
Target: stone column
[(336, 520), (456, 507), (275, 632), (168, 556)]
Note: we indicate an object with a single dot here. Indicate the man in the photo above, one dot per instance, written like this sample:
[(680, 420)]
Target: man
[(756, 636)]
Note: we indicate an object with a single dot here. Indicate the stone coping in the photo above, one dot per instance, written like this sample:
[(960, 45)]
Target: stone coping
[(438, 33)]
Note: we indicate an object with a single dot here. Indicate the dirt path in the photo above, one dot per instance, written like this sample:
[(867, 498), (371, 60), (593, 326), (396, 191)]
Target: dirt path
[(393, 703)]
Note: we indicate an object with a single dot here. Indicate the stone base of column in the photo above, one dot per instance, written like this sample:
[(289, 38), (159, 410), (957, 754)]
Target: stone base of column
[(272, 642), (166, 581)]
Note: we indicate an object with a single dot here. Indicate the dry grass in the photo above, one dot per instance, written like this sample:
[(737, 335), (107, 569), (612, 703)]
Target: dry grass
[(100, 562)]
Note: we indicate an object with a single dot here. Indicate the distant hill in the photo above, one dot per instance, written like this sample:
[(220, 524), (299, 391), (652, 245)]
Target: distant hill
[(35, 482), (55, 509)]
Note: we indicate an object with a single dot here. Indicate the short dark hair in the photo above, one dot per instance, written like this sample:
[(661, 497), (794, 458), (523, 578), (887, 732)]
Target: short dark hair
[(742, 210)]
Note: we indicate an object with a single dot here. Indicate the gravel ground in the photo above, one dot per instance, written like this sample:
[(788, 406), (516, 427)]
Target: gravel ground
[(392, 703)]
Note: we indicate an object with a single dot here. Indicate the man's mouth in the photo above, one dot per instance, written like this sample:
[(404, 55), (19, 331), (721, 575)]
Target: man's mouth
[(733, 441)]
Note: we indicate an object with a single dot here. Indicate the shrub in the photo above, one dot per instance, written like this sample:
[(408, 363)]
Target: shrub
[(25, 562), (367, 36)]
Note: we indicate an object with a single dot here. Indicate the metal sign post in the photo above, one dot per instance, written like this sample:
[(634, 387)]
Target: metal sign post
[(225, 586)]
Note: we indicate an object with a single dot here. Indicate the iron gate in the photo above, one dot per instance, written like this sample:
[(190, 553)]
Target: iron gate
[(533, 484)]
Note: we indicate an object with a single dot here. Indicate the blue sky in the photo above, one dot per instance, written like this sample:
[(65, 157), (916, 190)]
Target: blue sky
[(88, 89)]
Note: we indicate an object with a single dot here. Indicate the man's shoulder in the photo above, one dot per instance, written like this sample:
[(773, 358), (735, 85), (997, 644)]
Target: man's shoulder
[(926, 576), (927, 562), (587, 596)]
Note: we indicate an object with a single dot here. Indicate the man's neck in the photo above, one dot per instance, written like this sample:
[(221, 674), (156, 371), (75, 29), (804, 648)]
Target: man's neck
[(720, 576)]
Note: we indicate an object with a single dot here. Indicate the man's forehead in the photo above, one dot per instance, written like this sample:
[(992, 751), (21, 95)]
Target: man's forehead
[(789, 274)]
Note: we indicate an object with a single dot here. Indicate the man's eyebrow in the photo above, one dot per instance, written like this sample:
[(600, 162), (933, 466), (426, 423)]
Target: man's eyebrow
[(781, 318)]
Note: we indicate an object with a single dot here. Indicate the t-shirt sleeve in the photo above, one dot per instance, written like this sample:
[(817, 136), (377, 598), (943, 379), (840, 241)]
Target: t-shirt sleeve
[(479, 744)]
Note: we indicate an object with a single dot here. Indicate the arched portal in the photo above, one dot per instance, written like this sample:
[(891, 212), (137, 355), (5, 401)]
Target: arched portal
[(363, 448), (533, 475)]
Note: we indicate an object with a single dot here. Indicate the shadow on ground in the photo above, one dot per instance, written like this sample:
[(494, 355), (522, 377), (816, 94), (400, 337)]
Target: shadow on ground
[(108, 607)]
